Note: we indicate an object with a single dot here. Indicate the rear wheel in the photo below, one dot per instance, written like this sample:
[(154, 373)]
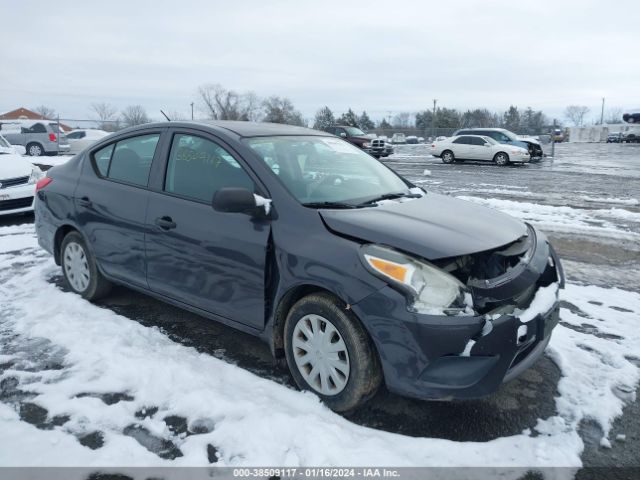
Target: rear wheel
[(34, 149), (501, 159), (447, 156), (329, 352), (80, 270)]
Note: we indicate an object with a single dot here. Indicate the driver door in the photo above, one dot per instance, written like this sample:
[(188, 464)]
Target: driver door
[(212, 260)]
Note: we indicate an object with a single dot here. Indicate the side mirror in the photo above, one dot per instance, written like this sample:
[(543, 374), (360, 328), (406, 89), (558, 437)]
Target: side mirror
[(343, 135), (234, 200)]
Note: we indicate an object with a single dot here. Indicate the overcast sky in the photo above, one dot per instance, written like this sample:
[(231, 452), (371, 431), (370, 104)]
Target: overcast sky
[(381, 57)]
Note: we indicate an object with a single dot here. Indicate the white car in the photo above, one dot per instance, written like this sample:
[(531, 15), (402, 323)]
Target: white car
[(6, 147), (81, 139), (18, 178), (478, 147)]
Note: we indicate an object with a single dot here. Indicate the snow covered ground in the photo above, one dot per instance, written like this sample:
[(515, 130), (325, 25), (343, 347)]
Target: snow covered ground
[(83, 385)]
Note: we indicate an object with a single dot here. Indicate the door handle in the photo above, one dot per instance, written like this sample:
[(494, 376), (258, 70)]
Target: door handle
[(84, 202), (165, 223)]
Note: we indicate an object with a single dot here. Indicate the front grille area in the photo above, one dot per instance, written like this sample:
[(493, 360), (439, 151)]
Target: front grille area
[(15, 203), (377, 143), (14, 182)]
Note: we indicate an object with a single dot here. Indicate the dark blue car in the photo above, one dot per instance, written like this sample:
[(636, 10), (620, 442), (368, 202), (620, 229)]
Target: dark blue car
[(346, 269)]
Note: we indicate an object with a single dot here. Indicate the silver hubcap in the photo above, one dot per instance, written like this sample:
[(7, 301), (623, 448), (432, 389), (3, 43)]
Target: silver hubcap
[(501, 160), (35, 151), (447, 157), (76, 267), (320, 354)]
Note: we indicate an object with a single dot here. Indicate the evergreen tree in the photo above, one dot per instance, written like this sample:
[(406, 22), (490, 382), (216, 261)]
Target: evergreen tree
[(365, 123), (324, 118), (348, 119)]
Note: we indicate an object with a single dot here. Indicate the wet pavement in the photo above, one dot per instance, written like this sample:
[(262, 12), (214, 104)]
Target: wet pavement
[(596, 232)]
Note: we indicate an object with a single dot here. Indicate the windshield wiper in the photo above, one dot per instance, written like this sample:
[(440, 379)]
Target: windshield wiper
[(329, 205), (391, 196)]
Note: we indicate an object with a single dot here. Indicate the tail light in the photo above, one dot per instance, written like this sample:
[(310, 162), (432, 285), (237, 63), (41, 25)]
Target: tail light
[(433, 145), (43, 182), (52, 137)]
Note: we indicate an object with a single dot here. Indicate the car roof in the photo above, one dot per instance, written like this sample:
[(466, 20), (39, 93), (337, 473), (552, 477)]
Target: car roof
[(490, 129)]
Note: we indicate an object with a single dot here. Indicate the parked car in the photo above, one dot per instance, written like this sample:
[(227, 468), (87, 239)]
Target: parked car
[(39, 137), (83, 138), (505, 136), (412, 139), (420, 139), (18, 178), (631, 136), (631, 117), (360, 139), (6, 147), (478, 147), (614, 137), (398, 138), (348, 271)]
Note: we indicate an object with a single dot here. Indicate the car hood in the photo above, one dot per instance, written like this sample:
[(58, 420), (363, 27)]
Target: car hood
[(13, 166), (529, 140), (434, 226)]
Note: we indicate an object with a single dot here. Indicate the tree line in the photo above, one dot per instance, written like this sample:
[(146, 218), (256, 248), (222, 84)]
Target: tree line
[(216, 102)]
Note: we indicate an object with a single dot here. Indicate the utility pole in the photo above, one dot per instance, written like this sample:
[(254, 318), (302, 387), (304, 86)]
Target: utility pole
[(433, 119), (602, 113), (191, 110)]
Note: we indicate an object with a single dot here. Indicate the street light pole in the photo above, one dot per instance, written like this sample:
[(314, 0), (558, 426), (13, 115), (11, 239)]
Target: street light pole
[(191, 110), (433, 119), (602, 113)]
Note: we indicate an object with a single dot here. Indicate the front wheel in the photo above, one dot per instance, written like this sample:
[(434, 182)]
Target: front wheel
[(447, 156), (329, 352), (80, 270), (501, 159)]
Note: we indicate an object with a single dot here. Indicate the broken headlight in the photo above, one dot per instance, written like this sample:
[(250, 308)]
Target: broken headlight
[(429, 289)]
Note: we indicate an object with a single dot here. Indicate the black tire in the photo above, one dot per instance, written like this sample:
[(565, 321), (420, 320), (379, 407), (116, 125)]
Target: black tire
[(447, 157), (365, 373), (98, 286), (34, 149), (501, 159)]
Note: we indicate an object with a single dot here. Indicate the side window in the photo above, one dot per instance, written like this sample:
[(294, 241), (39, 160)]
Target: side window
[(462, 140), (128, 160), (198, 167), (37, 128), (477, 141), (102, 158)]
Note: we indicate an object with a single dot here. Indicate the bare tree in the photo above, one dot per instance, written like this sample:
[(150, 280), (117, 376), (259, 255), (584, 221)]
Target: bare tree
[(401, 120), (218, 103), (47, 112), (106, 114), (134, 115), (614, 115), (576, 114)]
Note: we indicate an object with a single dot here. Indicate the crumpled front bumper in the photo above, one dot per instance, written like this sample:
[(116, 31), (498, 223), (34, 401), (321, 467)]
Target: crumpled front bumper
[(458, 357)]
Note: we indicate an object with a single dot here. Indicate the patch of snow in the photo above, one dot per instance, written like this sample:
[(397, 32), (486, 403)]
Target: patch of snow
[(467, 349), (543, 301), (620, 201)]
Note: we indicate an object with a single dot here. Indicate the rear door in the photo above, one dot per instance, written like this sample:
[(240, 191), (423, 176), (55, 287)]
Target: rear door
[(111, 202), (211, 260)]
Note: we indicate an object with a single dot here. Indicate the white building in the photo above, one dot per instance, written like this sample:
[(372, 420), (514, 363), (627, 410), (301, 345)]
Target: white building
[(598, 133)]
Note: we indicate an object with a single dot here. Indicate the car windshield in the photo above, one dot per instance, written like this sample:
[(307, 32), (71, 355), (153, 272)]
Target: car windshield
[(327, 170), (354, 132)]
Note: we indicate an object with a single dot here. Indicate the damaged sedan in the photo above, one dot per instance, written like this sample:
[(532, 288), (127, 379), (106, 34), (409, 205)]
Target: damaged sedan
[(354, 276)]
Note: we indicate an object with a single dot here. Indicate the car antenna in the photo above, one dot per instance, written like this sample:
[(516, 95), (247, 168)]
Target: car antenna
[(165, 116)]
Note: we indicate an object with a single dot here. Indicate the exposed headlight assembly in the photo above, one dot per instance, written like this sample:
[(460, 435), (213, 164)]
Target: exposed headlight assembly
[(429, 289)]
